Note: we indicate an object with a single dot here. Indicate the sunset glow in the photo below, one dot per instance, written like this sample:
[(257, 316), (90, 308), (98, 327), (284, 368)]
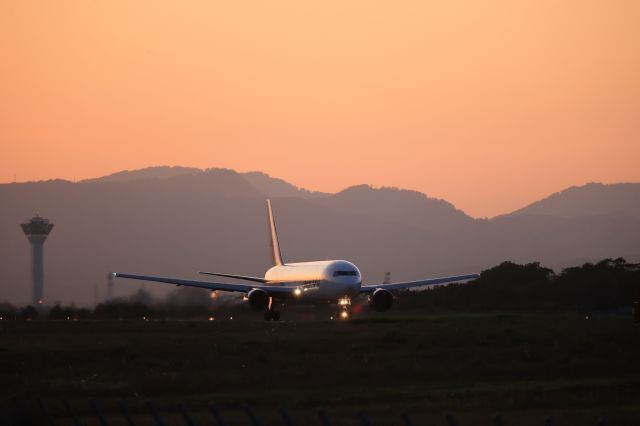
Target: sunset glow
[(489, 105)]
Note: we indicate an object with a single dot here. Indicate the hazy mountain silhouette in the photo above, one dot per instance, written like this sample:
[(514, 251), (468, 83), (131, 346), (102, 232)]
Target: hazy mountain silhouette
[(176, 221), (593, 199), (159, 172), (399, 205), (267, 185), (275, 187)]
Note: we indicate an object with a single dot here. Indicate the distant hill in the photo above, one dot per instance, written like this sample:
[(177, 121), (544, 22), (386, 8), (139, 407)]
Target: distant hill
[(399, 205), (159, 172), (176, 221), (275, 187), (593, 199), (267, 185)]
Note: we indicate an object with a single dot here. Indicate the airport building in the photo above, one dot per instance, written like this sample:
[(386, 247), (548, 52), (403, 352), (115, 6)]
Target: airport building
[(37, 230)]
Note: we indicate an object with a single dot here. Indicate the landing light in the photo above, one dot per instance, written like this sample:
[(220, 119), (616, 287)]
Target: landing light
[(211, 318), (344, 315), (297, 292)]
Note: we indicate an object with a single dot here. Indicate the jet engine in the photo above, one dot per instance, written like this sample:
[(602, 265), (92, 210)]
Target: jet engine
[(258, 300), (381, 300)]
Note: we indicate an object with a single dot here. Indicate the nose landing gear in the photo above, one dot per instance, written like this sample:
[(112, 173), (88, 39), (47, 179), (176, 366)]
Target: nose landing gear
[(345, 308)]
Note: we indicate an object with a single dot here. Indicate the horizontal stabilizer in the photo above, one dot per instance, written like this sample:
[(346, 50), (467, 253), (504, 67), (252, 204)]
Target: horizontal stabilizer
[(243, 288), (238, 277)]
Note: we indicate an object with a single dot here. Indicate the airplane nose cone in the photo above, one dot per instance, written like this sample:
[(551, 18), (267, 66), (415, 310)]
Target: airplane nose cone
[(352, 288), (345, 277), (356, 287)]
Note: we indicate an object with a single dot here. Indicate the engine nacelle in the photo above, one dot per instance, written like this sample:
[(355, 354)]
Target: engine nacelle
[(381, 300), (258, 300)]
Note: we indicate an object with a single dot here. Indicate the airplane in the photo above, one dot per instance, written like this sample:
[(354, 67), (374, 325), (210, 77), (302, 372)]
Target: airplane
[(332, 281)]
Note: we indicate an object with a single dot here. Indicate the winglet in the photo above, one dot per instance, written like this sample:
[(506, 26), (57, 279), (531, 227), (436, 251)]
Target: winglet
[(275, 245)]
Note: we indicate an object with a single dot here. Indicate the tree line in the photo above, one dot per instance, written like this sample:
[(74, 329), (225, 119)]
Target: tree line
[(608, 285)]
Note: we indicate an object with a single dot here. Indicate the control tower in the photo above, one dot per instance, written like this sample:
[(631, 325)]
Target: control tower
[(37, 230)]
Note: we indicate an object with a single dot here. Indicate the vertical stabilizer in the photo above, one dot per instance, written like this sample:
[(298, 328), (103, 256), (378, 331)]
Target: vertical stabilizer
[(275, 245)]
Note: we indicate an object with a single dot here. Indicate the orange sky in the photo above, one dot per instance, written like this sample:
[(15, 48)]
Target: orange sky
[(488, 104)]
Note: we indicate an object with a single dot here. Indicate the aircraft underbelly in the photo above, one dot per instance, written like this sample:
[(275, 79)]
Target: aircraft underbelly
[(328, 292)]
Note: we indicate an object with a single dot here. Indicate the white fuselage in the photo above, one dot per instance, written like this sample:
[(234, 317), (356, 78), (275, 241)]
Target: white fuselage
[(323, 280)]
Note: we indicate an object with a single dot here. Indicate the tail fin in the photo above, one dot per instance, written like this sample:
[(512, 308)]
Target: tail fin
[(275, 245)]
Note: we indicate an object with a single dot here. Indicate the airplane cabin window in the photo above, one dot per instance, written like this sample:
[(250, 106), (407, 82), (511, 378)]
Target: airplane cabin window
[(345, 273)]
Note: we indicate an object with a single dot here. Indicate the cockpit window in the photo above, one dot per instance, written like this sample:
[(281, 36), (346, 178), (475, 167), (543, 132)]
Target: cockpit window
[(345, 273)]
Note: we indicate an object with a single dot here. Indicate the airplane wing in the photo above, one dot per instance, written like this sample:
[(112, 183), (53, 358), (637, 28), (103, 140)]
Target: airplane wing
[(419, 283), (242, 288)]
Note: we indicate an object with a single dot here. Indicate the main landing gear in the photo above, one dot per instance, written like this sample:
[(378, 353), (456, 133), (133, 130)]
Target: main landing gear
[(270, 314)]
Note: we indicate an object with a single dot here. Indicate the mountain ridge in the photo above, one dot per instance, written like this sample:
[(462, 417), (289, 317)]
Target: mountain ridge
[(580, 200), (276, 187)]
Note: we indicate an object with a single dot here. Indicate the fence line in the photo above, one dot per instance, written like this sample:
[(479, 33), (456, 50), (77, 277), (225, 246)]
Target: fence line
[(20, 414)]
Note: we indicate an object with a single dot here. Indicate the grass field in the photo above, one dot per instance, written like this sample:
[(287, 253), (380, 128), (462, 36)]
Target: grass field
[(526, 367)]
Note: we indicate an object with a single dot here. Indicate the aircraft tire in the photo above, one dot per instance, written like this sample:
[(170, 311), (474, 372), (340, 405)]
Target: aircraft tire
[(268, 315), (276, 315)]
